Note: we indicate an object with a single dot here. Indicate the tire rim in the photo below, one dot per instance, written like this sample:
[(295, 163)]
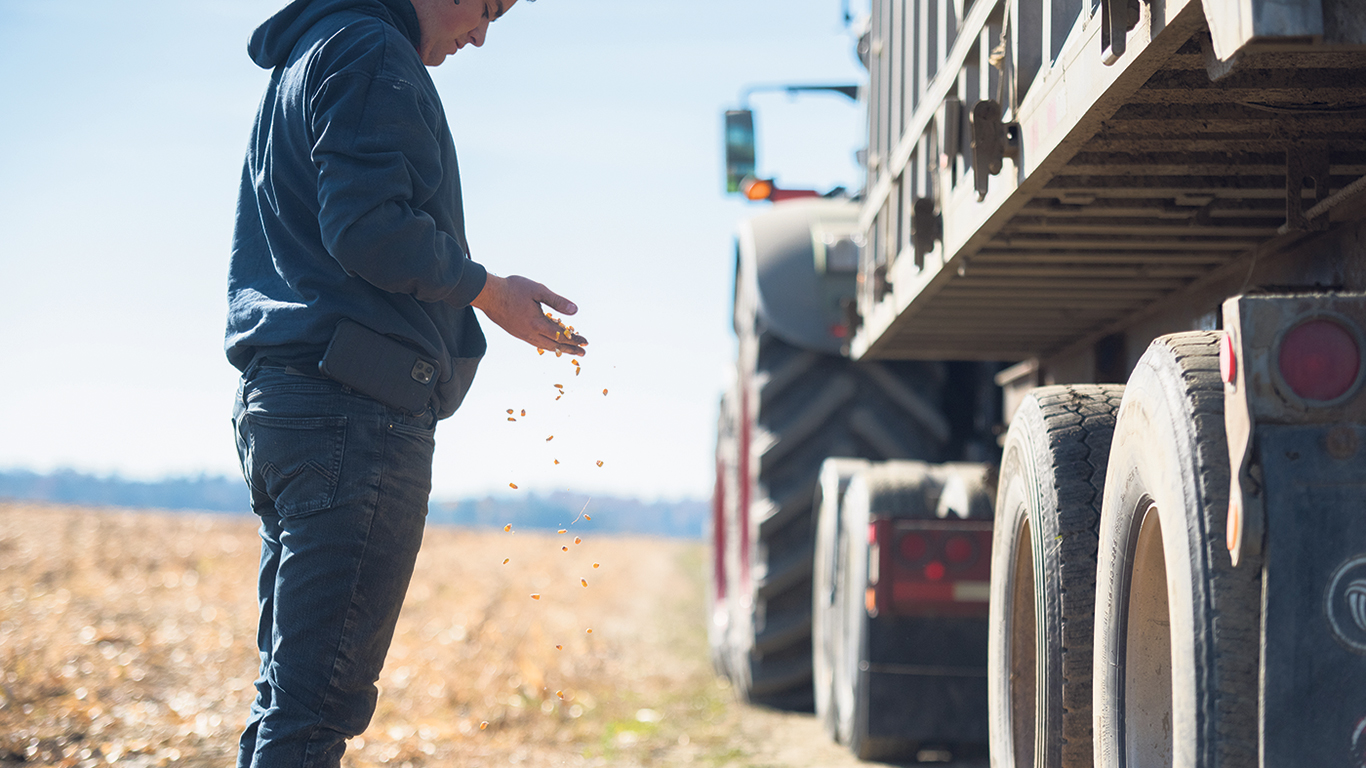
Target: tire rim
[(1147, 720), (1023, 650)]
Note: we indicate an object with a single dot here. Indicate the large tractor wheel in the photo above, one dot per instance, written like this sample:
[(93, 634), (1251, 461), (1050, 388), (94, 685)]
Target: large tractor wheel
[(1176, 632), (796, 408), (1043, 575)]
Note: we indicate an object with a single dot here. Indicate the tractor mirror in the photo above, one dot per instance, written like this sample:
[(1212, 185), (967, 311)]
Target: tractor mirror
[(739, 147)]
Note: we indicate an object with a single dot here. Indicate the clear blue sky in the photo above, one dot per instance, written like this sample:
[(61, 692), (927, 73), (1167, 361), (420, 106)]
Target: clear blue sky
[(589, 135)]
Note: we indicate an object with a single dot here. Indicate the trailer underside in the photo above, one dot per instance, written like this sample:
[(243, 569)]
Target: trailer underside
[(1134, 186)]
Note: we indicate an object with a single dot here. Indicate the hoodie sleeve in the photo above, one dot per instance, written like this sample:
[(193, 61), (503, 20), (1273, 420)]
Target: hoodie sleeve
[(378, 151)]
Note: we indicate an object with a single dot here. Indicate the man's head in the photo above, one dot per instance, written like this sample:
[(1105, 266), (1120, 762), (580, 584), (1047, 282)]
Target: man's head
[(449, 25)]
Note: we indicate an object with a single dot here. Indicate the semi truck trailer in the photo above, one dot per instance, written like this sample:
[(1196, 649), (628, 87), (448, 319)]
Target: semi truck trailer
[(1147, 220)]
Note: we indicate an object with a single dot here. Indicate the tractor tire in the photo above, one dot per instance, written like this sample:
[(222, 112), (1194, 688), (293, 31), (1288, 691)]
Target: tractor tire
[(901, 490), (1176, 627), (803, 407), (1043, 574)]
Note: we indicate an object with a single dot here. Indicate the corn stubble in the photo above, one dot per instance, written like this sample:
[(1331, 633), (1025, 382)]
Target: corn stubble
[(128, 638)]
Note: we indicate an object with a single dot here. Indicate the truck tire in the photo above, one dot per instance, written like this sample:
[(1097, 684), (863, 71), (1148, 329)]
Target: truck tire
[(1043, 575), (828, 580), (810, 406), (901, 490), (1176, 626)]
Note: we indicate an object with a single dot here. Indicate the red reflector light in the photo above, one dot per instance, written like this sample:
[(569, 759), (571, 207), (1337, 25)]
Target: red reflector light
[(934, 571), (1319, 360), (913, 546), (958, 550), (1228, 360)]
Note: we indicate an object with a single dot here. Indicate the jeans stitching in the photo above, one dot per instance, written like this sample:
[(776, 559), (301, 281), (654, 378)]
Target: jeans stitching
[(348, 625)]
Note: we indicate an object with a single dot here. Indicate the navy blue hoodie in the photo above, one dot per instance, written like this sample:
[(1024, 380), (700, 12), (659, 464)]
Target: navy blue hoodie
[(350, 202)]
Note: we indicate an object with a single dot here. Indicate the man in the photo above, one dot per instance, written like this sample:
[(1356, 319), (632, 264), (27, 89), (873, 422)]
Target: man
[(350, 292)]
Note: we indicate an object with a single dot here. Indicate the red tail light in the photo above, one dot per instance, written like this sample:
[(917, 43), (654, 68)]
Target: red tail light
[(931, 567), (959, 550), (1319, 360), (913, 547)]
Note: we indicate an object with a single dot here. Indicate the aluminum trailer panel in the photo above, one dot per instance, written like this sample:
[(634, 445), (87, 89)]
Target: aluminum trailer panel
[(1132, 184)]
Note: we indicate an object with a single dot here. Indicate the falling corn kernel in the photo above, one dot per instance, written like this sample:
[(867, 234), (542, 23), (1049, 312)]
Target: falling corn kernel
[(558, 353), (548, 439), (540, 351), (509, 411), (587, 517), (559, 647), (604, 393), (599, 462), (575, 362), (508, 527), (595, 565), (506, 560), (535, 595), (578, 540), (564, 549), (577, 370), (590, 630), (559, 386), (559, 694), (524, 412), (557, 461), (557, 397), (562, 530), (583, 582), (513, 486), (483, 725)]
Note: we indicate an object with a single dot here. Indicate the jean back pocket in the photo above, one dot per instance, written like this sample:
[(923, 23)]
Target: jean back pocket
[(296, 461)]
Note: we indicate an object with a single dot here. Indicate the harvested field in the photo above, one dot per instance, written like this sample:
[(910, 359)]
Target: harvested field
[(128, 638)]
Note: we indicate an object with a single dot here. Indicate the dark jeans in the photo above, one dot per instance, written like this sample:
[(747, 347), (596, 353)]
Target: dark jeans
[(340, 483)]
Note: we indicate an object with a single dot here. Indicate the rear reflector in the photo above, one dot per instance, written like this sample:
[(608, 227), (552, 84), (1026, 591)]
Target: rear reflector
[(1319, 360)]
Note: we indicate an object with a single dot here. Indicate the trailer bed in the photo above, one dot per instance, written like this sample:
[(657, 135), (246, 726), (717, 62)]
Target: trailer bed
[(1134, 184)]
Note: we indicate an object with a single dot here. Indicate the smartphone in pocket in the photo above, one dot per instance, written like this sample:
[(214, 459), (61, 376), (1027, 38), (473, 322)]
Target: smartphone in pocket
[(379, 366)]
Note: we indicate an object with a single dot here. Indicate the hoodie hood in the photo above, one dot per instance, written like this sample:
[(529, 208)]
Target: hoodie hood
[(273, 41)]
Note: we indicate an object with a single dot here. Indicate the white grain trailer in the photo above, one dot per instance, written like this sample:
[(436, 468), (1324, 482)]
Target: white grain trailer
[(1157, 210)]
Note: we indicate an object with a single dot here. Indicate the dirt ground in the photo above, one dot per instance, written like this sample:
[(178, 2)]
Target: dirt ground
[(127, 638)]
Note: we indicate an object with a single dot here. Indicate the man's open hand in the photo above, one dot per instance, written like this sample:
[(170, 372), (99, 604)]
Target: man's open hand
[(514, 303)]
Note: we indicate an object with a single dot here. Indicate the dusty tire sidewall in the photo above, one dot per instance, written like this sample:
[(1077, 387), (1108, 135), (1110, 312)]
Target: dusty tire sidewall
[(1151, 465), (1018, 504)]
